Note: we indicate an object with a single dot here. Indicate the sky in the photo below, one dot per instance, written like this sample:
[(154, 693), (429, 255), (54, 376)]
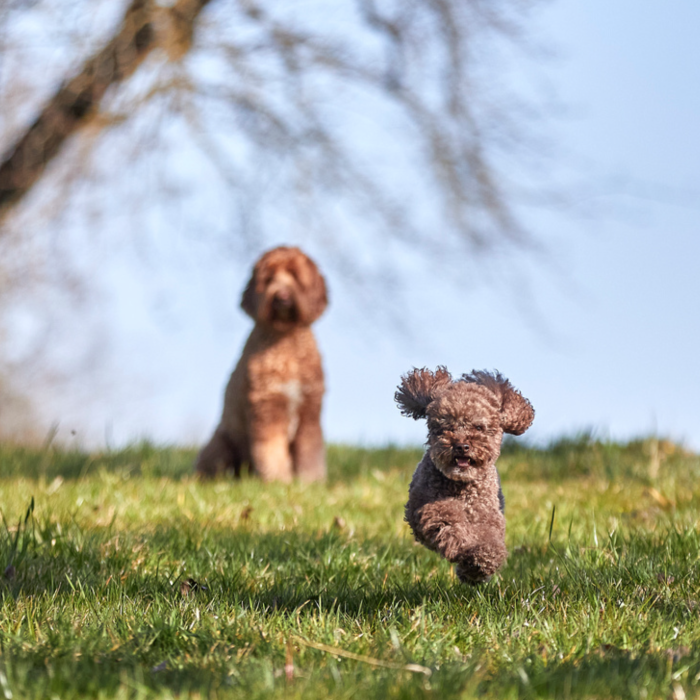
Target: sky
[(607, 337)]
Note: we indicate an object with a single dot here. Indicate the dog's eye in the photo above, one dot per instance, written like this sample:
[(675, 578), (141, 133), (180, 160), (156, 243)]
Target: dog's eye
[(480, 428)]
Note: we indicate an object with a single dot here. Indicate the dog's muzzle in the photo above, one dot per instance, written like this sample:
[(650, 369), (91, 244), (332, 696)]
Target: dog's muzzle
[(283, 305), (461, 456)]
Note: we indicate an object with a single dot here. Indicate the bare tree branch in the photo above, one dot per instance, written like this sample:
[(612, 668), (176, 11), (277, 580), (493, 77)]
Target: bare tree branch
[(76, 101)]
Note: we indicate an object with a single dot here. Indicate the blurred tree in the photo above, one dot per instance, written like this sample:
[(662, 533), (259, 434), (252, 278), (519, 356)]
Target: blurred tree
[(291, 81), (343, 123), (144, 27)]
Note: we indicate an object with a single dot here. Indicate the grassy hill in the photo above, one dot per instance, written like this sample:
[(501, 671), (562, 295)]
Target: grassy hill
[(126, 578)]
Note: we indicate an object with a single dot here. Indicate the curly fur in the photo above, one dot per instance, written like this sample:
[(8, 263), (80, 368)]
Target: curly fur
[(272, 403), (455, 504)]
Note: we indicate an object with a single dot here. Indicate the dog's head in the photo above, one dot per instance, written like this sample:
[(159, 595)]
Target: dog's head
[(466, 418), (285, 290)]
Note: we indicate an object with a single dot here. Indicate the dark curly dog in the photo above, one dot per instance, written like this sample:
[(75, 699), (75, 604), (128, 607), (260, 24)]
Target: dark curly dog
[(455, 503), (272, 405)]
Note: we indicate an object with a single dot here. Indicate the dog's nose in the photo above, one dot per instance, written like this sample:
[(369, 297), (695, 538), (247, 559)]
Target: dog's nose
[(283, 298), (462, 448)]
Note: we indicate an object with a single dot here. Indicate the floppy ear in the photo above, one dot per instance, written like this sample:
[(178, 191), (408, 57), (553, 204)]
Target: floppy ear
[(249, 300), (517, 413), (419, 388), (316, 294)]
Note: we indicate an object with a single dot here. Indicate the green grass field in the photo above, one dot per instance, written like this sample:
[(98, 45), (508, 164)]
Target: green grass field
[(126, 578)]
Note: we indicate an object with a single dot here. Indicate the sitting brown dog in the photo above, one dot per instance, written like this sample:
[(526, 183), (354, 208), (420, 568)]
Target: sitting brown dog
[(272, 404), (455, 503)]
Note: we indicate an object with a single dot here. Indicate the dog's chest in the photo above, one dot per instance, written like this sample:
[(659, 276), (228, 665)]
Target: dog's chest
[(288, 361), (293, 391), (286, 372), (472, 500)]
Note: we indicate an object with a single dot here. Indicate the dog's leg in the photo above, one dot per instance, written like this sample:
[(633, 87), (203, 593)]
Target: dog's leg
[(271, 457), (478, 549), (218, 456), (479, 563), (441, 527), (308, 450), (269, 438)]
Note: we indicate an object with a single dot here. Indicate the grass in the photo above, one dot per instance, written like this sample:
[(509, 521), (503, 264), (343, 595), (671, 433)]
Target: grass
[(125, 578)]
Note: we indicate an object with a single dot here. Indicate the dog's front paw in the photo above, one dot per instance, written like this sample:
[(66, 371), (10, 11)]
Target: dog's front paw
[(477, 564), (471, 573)]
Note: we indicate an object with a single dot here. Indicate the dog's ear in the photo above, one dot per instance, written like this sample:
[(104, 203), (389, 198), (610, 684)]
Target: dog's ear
[(419, 388), (315, 293), (517, 412), (249, 300)]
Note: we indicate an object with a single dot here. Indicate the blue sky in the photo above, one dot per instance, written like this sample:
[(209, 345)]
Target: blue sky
[(610, 342)]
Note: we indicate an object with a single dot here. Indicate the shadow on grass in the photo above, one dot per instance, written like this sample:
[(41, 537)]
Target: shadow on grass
[(132, 593), (606, 672), (281, 572), (268, 572), (108, 675), (253, 678)]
